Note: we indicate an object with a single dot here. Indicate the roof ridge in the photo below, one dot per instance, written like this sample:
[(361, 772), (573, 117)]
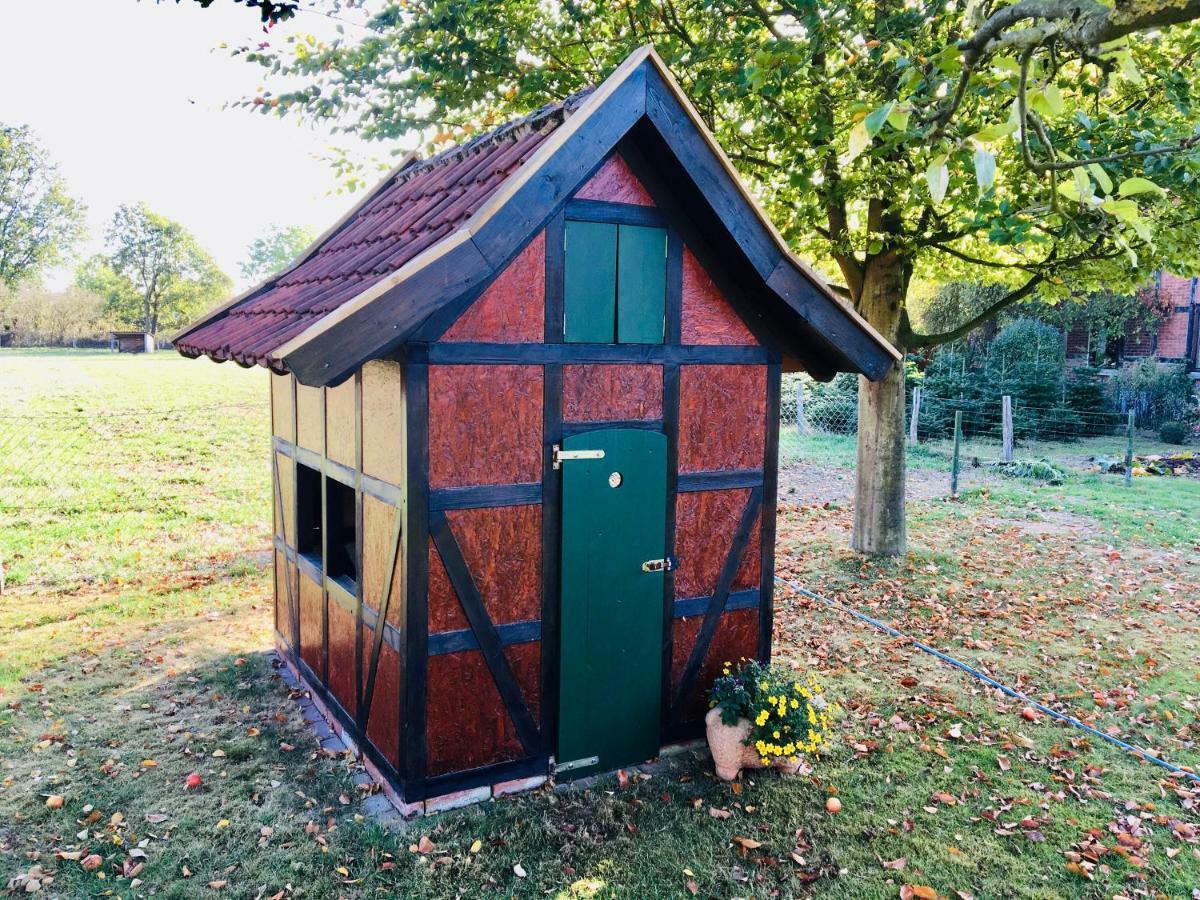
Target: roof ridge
[(512, 130)]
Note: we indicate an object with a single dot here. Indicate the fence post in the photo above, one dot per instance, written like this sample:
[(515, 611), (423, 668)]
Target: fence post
[(954, 466), (1007, 425), (1129, 450), (914, 415), (801, 425)]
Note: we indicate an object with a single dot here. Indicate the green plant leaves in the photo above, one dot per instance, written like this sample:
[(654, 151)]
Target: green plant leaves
[(1101, 177), (860, 139), (1132, 186), (874, 121), (985, 169), (937, 176)]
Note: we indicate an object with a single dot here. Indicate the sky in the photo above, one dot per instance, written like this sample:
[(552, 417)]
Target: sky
[(128, 99)]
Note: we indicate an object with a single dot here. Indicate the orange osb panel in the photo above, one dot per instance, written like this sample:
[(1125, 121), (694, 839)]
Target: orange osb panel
[(707, 317), (485, 424), (736, 637), (722, 417), (467, 724), (605, 392), (383, 726), (513, 308), (311, 623), (615, 182), (502, 547), (343, 640), (705, 523)]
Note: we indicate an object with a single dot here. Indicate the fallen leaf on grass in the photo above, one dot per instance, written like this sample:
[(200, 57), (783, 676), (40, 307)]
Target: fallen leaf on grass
[(719, 813), (897, 864), (519, 871), (747, 844), (219, 884), (917, 892), (1003, 763), (476, 846), (54, 801), (91, 862)]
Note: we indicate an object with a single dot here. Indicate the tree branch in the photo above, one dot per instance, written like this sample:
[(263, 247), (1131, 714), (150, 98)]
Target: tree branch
[(913, 340)]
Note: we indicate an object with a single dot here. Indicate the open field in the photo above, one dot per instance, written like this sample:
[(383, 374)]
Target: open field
[(113, 689)]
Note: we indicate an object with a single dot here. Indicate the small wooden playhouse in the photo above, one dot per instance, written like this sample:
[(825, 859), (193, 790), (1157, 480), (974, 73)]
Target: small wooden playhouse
[(525, 412)]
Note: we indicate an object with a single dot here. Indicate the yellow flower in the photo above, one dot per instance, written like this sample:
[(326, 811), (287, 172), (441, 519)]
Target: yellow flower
[(762, 685), (776, 734), (795, 703)]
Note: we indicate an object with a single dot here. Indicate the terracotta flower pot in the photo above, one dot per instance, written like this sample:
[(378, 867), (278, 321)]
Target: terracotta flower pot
[(730, 753)]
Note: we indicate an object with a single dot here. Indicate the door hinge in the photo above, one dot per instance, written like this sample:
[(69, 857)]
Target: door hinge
[(576, 764), (669, 564), (560, 455)]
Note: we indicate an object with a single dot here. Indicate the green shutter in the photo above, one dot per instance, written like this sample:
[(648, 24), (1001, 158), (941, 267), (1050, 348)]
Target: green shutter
[(641, 284), (590, 289)]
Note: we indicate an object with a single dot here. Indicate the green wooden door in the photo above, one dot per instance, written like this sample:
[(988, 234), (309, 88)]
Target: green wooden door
[(613, 521)]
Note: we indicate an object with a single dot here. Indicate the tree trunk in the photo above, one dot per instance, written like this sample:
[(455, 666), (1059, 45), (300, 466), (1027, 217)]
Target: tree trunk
[(879, 488)]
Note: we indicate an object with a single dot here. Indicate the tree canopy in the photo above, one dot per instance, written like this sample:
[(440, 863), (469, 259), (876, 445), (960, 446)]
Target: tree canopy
[(270, 11), (1033, 139), (156, 277), (1050, 144), (275, 250), (39, 220)]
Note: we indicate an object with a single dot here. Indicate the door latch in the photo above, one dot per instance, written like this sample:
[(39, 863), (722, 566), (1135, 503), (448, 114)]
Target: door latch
[(669, 564), (560, 455)]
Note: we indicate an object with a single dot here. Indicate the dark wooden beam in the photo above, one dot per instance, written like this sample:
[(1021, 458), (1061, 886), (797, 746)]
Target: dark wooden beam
[(619, 213), (540, 354), (478, 495)]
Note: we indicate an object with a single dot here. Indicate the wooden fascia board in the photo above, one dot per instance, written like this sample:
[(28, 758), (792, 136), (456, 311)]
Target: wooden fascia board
[(219, 312), (785, 251)]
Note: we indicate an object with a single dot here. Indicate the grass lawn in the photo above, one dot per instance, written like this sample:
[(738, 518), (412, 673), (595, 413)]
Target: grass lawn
[(1084, 595)]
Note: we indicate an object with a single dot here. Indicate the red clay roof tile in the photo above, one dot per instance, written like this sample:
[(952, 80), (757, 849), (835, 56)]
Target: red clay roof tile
[(413, 210)]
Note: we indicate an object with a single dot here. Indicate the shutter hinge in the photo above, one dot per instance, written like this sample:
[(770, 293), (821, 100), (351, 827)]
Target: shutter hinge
[(560, 455)]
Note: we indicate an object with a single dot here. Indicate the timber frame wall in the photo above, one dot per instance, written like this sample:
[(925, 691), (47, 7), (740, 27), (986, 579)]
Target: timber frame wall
[(722, 505)]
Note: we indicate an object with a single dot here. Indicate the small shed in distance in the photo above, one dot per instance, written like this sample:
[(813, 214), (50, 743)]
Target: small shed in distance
[(131, 341), (526, 417)]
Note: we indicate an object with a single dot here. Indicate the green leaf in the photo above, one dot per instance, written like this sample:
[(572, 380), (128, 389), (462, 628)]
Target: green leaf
[(1083, 184), (938, 178), (1125, 210), (1132, 186), (1038, 103), (860, 139), (1101, 177), (1070, 190), (1007, 64), (1054, 99), (995, 132), (985, 169), (898, 117), (875, 120)]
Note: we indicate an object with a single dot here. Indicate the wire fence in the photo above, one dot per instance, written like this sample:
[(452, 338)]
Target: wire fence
[(127, 495), (1006, 434), (132, 494)]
